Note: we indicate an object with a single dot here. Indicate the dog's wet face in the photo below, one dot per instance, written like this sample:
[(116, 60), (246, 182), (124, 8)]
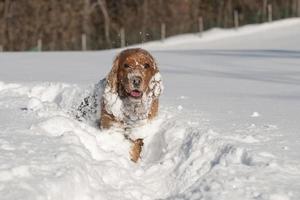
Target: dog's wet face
[(136, 69)]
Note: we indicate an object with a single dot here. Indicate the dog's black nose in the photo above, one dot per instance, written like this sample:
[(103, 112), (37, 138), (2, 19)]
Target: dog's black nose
[(136, 81)]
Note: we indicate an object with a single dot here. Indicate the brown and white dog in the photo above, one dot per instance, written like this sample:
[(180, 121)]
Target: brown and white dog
[(131, 93)]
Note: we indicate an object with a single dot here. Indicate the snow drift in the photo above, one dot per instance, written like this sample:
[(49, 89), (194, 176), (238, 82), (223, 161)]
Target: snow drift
[(227, 129), (59, 157)]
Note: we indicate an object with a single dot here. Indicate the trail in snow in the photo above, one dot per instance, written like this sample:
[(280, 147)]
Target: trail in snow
[(56, 156)]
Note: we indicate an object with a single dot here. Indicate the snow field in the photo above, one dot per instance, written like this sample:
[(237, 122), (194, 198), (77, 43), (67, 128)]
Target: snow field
[(58, 157), (228, 126)]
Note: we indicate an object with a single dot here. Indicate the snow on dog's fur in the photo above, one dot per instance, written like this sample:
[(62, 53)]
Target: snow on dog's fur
[(131, 91), (131, 94), (128, 96)]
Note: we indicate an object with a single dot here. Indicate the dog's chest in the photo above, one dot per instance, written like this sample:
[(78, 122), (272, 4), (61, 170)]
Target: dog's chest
[(136, 111)]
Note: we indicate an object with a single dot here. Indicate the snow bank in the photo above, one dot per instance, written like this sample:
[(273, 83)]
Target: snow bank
[(196, 41), (59, 157)]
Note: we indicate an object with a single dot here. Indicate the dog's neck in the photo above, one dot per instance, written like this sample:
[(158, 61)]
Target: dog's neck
[(126, 109), (136, 110)]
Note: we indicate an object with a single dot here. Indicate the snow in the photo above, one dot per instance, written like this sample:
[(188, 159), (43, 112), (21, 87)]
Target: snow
[(113, 103), (228, 126), (156, 85), (255, 114)]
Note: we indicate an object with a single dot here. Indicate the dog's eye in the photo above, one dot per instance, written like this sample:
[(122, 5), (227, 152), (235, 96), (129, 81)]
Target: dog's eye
[(126, 65), (146, 65)]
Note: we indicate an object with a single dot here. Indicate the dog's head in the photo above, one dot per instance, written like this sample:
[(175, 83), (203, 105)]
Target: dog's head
[(134, 75)]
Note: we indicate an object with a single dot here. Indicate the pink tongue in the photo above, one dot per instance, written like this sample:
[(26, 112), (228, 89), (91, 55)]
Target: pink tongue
[(135, 93)]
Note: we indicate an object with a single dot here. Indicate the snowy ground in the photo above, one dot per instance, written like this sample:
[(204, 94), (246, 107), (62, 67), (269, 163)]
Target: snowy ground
[(228, 126)]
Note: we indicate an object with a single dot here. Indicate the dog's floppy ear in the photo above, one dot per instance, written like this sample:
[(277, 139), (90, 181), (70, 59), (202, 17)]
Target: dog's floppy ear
[(112, 77), (155, 85), (111, 102)]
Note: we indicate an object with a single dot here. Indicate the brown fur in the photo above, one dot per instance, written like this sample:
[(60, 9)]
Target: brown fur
[(136, 150), (117, 80)]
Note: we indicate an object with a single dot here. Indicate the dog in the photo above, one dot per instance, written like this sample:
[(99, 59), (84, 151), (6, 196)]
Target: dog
[(131, 93)]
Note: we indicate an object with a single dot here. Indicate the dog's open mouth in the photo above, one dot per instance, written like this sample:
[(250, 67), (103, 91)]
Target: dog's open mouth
[(136, 94)]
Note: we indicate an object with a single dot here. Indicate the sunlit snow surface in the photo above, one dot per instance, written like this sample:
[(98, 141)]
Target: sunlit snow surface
[(228, 126)]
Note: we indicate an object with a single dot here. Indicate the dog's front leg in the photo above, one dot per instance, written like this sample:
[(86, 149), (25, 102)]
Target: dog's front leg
[(136, 149)]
